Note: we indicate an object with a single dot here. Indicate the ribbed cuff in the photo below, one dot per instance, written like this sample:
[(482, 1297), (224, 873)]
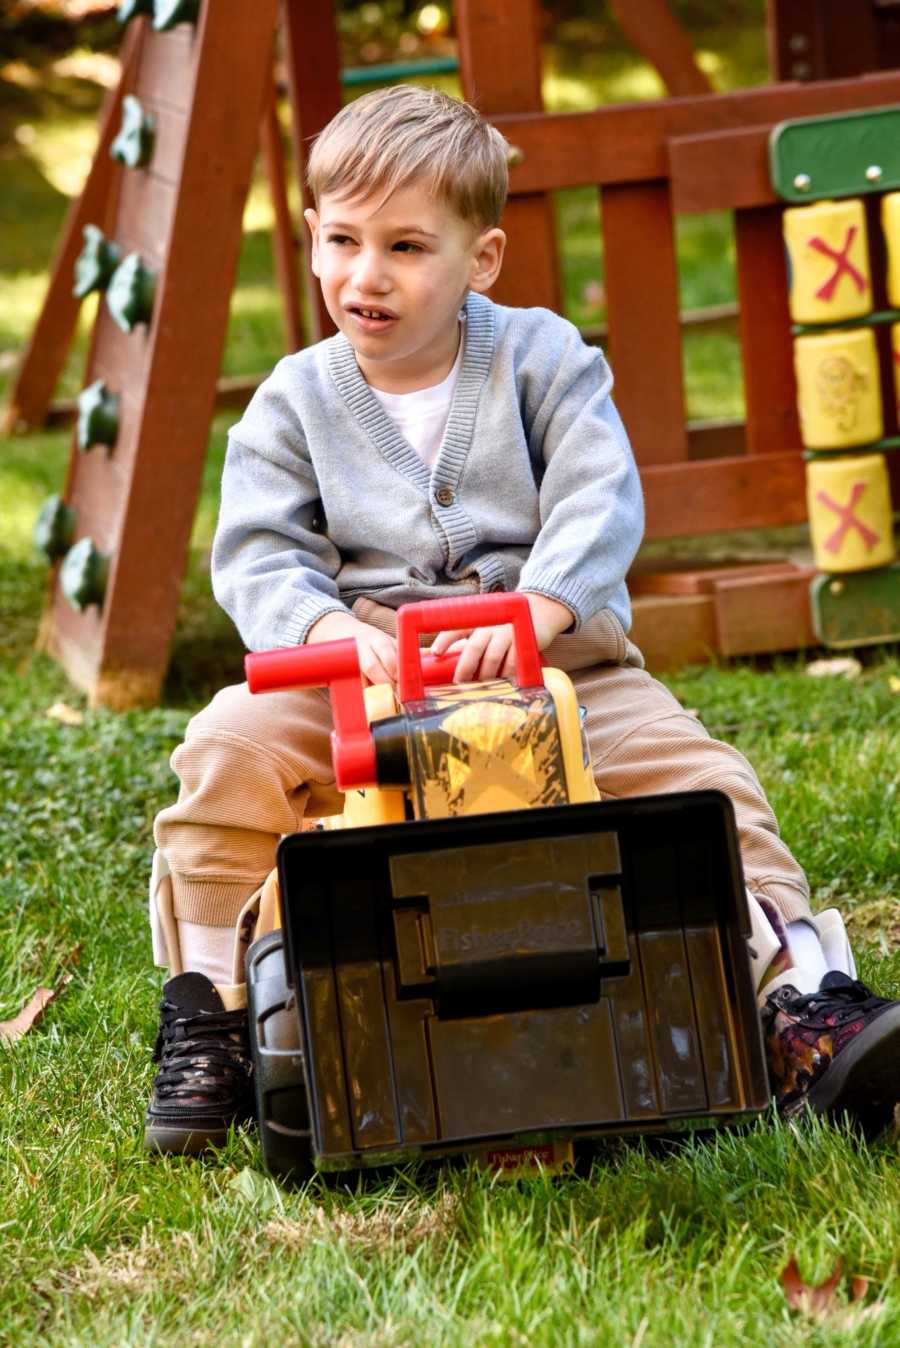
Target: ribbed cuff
[(556, 585), (305, 615), (211, 903)]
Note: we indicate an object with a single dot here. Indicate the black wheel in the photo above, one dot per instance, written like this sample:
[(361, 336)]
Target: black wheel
[(279, 1079)]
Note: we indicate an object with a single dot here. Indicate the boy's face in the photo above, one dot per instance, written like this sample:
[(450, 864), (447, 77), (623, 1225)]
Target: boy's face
[(411, 262)]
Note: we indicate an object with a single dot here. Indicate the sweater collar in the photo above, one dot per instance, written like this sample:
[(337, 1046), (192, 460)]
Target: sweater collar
[(478, 350)]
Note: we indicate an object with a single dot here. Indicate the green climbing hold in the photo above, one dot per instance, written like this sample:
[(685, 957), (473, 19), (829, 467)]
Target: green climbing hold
[(129, 296), (168, 13), (133, 145), (54, 528), (95, 263), (98, 416), (130, 9), (83, 574)]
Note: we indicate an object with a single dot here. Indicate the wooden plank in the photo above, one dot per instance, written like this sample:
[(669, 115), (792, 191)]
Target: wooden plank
[(500, 71), (652, 28), (720, 494), (314, 85), (672, 631), (642, 298), (721, 170), (45, 354), (629, 142), (698, 576), (166, 71), (767, 353), (120, 654), (144, 217), (168, 139), (771, 613), (716, 439), (285, 243)]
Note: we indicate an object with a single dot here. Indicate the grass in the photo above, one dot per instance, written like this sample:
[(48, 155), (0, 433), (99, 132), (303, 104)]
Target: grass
[(657, 1246)]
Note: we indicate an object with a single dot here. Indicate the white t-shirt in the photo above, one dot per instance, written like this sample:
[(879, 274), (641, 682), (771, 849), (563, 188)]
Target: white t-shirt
[(421, 417)]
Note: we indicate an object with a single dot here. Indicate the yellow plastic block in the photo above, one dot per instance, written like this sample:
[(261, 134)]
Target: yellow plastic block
[(828, 256), (838, 389), (849, 504), (890, 223)]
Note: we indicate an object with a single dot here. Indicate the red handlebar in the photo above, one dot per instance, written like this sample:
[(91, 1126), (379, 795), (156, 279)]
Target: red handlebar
[(477, 610), (335, 665)]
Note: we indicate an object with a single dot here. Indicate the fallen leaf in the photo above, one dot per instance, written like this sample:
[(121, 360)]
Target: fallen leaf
[(806, 1298), (11, 1030), (843, 666), (61, 711)]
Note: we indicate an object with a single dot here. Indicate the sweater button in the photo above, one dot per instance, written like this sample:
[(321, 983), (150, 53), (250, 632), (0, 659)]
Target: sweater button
[(444, 496)]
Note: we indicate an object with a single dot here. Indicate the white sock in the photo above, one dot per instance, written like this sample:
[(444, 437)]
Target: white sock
[(806, 950), (207, 950)]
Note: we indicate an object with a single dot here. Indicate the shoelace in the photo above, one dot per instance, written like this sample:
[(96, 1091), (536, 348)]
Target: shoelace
[(199, 1055), (842, 1004)]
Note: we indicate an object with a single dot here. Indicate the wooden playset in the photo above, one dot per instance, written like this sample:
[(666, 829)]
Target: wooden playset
[(159, 225)]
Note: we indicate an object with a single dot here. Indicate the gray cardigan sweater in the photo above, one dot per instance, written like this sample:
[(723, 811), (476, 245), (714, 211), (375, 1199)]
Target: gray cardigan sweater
[(535, 486)]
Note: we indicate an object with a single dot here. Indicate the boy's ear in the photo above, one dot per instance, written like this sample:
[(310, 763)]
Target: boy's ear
[(487, 259), (312, 219)]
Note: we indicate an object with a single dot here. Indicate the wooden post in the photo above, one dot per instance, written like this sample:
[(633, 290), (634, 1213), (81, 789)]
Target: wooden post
[(314, 84), (822, 39), (767, 353), (644, 331), (47, 349), (500, 69), (285, 244)]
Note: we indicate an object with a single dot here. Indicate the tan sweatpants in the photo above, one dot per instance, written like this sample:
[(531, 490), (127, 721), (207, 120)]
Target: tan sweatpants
[(251, 767)]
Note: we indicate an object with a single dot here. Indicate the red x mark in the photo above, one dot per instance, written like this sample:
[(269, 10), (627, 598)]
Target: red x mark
[(842, 263), (848, 519)]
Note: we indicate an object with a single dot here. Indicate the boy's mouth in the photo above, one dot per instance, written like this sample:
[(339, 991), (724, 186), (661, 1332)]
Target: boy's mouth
[(370, 318)]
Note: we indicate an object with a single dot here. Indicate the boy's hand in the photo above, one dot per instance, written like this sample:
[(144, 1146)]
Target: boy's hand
[(490, 653), (377, 650)]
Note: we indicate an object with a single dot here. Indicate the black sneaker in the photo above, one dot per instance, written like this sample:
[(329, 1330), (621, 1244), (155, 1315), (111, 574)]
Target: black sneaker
[(203, 1082), (835, 1051)]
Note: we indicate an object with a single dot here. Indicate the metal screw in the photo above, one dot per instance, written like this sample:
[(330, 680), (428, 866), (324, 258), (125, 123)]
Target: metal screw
[(836, 587), (802, 182), (874, 173), (515, 155), (798, 42), (801, 70)]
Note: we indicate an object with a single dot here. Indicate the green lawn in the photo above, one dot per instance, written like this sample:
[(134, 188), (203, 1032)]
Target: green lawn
[(657, 1246)]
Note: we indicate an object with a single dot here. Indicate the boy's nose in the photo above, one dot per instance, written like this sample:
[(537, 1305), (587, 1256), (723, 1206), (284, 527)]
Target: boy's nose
[(370, 274)]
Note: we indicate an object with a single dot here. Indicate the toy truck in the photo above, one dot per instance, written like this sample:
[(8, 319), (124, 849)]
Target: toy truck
[(480, 956)]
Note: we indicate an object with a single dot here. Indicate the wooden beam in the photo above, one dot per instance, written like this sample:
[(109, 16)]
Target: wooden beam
[(720, 494), (769, 613), (672, 631), (628, 142), (652, 28)]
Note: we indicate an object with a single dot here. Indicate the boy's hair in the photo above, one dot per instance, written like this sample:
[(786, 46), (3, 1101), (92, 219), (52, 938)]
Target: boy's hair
[(388, 139)]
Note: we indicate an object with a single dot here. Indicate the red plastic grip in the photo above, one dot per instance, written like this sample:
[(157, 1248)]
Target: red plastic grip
[(476, 610), (335, 665)]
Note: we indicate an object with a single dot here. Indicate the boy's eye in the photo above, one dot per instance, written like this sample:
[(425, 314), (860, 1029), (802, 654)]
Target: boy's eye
[(338, 238), (405, 244)]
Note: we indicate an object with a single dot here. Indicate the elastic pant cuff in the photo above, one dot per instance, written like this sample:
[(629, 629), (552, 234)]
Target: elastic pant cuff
[(211, 903)]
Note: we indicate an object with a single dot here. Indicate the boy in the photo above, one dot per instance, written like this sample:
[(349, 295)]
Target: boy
[(441, 444)]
